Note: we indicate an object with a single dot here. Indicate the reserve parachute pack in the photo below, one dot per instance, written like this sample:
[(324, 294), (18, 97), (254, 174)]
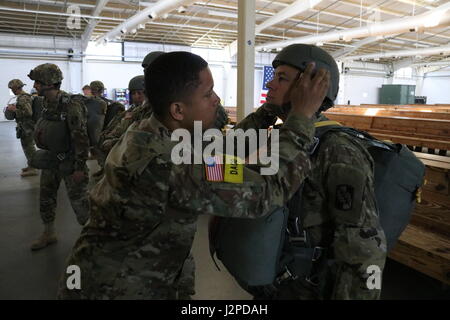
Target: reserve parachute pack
[(96, 110), (36, 107), (52, 135), (257, 252)]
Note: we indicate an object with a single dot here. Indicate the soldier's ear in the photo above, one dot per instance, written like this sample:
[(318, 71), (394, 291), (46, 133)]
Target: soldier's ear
[(177, 110)]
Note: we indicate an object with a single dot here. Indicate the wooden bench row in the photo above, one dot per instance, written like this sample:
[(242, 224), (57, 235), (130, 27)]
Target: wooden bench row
[(417, 132), (412, 107), (392, 113)]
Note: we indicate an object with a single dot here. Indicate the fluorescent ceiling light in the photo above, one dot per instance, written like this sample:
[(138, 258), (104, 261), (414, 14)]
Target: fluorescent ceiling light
[(222, 14)]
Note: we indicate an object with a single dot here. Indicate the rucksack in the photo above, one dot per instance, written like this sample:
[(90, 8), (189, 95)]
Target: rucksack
[(257, 251)]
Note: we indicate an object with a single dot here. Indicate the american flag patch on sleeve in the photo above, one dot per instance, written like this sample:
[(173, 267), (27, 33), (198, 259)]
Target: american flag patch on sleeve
[(214, 169)]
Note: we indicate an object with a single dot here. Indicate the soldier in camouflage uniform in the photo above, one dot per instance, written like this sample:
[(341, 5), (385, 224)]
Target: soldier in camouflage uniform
[(144, 211), (61, 133), (138, 111), (22, 112), (338, 206), (114, 107)]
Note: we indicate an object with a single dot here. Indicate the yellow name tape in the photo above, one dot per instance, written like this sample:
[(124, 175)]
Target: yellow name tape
[(234, 169)]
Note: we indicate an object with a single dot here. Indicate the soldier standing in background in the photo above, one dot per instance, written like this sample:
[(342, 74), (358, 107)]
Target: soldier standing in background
[(61, 134), (22, 112), (114, 107)]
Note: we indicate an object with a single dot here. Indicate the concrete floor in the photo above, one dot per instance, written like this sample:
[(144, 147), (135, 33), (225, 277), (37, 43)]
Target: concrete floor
[(34, 275)]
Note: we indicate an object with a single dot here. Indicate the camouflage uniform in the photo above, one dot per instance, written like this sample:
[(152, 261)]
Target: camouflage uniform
[(25, 124), (51, 178), (344, 221), (117, 127), (113, 107), (120, 124), (144, 211)]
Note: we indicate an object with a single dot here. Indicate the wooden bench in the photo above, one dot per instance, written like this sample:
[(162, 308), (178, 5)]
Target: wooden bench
[(418, 132), (392, 113)]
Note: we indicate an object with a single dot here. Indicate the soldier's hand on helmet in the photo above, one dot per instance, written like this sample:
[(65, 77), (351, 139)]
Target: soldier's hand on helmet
[(11, 107), (78, 176), (308, 91)]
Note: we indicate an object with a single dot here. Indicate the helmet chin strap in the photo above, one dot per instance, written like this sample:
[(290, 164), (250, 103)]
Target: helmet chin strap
[(44, 90)]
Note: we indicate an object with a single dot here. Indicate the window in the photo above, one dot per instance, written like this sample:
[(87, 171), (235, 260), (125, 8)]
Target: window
[(107, 51), (403, 73)]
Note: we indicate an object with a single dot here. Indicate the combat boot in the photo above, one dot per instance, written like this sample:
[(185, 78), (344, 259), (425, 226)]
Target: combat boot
[(47, 237), (29, 173)]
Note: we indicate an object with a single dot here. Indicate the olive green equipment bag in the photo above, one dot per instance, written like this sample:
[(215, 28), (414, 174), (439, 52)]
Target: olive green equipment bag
[(264, 251), (45, 159)]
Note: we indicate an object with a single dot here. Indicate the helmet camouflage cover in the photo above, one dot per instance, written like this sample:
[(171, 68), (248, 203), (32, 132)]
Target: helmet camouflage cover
[(15, 83), (47, 73), (299, 55), (97, 86)]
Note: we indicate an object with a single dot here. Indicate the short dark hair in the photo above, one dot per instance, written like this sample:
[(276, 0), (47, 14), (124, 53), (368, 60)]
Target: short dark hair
[(172, 77), (86, 87)]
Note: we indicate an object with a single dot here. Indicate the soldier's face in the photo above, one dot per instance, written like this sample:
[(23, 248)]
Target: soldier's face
[(279, 86), (38, 86), (202, 104), (137, 96)]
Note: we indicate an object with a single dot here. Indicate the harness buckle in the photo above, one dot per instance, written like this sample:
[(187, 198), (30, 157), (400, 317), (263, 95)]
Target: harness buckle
[(317, 253), (287, 274), (61, 156), (314, 146)]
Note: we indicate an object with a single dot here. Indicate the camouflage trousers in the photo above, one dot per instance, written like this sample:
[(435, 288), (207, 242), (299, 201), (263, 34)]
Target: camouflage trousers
[(76, 191), (113, 278), (28, 146)]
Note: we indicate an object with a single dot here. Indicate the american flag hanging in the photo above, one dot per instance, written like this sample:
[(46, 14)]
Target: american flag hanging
[(214, 169), (268, 75)]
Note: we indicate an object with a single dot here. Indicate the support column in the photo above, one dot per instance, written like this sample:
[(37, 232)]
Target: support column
[(246, 58)]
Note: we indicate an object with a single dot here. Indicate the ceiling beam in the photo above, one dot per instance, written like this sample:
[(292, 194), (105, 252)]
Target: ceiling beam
[(429, 19), (92, 23)]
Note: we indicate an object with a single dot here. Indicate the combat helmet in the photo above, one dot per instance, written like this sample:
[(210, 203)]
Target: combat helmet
[(299, 55), (136, 83), (149, 58), (47, 73), (97, 86), (15, 83)]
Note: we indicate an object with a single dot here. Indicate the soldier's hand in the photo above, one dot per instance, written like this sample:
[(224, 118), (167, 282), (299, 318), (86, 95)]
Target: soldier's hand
[(308, 91), (78, 176), (11, 107)]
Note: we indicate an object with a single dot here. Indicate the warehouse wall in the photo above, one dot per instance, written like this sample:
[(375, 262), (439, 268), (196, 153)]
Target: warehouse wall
[(19, 68), (436, 87)]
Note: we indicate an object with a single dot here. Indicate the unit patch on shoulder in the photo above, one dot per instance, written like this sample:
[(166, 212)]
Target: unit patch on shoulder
[(344, 197)]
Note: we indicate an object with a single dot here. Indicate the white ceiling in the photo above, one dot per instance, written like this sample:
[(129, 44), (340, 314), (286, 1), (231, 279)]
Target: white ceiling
[(213, 23)]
